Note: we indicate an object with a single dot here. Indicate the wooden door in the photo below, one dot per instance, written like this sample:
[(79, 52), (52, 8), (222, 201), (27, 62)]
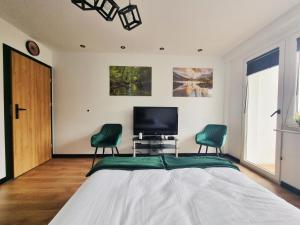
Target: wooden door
[(31, 102)]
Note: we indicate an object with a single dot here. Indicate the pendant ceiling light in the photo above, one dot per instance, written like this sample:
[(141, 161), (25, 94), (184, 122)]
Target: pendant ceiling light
[(130, 17), (85, 4), (108, 9)]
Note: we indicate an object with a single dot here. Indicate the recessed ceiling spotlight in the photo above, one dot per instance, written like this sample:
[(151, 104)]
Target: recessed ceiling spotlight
[(161, 48), (199, 49), (82, 46), (123, 47)]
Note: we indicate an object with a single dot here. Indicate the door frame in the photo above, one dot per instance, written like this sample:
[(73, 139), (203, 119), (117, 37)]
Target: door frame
[(8, 117), (278, 154)]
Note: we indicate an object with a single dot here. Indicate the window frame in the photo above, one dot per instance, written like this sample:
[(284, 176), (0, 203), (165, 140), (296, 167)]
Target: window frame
[(297, 82)]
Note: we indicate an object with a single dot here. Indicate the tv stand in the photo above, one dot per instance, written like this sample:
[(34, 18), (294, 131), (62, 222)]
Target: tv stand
[(151, 137), (157, 137), (154, 143)]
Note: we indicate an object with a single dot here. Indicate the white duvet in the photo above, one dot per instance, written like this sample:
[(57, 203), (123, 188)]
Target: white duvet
[(214, 196)]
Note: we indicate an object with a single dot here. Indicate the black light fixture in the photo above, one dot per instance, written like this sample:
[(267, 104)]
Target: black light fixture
[(130, 17), (85, 4), (108, 9)]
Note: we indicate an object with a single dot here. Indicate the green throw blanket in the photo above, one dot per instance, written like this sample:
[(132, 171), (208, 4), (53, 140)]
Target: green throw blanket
[(168, 162), (128, 163), (203, 162)]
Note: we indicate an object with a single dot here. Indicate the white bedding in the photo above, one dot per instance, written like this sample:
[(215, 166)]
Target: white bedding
[(214, 196)]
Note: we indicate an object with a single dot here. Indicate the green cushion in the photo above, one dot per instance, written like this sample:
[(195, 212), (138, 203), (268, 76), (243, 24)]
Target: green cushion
[(171, 162), (128, 163)]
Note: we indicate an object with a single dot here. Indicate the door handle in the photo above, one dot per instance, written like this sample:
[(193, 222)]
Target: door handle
[(278, 111), (18, 109)]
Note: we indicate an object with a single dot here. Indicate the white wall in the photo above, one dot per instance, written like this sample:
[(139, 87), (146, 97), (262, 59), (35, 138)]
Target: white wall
[(277, 32), (15, 38), (81, 82)]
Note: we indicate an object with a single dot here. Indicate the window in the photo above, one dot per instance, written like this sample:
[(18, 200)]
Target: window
[(293, 116), (298, 77)]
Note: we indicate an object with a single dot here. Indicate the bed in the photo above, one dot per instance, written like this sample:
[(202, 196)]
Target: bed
[(196, 195)]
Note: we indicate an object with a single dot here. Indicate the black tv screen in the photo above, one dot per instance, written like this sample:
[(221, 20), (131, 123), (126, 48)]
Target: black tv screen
[(155, 120)]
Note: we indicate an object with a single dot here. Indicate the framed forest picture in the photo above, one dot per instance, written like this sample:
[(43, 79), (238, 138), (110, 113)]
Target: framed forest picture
[(130, 81)]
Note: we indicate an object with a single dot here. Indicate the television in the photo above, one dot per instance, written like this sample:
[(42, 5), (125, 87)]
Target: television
[(155, 120)]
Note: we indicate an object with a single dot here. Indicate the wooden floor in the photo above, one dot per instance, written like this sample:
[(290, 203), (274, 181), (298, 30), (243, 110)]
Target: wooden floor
[(268, 167), (36, 197)]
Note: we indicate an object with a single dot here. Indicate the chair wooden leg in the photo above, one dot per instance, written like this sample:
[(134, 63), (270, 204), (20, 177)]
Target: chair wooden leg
[(103, 151), (112, 151), (199, 149), (94, 157), (206, 149), (117, 150)]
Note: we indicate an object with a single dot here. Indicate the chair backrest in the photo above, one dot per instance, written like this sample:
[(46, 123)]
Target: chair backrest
[(216, 132), (112, 132)]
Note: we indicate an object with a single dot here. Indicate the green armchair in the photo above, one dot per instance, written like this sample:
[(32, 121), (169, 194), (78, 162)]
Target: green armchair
[(212, 135), (108, 137)]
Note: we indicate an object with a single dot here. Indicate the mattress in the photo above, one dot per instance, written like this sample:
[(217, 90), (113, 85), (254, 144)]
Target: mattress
[(190, 196)]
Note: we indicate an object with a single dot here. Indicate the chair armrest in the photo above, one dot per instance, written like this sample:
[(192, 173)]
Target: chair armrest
[(200, 136), (96, 138), (118, 139), (223, 140)]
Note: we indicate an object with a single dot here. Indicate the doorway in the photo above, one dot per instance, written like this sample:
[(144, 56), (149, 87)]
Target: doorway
[(28, 112), (263, 113)]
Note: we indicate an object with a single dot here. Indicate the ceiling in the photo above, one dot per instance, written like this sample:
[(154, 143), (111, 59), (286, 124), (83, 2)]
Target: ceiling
[(180, 26)]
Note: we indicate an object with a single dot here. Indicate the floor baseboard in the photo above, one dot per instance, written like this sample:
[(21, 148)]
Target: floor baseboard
[(3, 180), (290, 188), (84, 155), (232, 158)]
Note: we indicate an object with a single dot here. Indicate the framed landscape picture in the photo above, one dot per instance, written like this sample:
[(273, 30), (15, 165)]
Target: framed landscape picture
[(130, 81), (192, 82)]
